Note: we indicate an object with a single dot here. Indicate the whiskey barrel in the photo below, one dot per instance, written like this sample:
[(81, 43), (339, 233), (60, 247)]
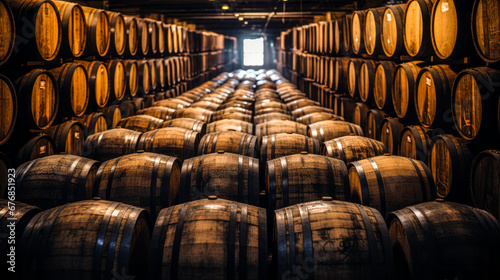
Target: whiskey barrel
[(117, 79), (242, 104), (173, 141), (93, 123), (360, 115), (55, 180), (271, 117), (98, 32), (69, 137), (485, 182), (474, 102), (372, 31), (403, 93), (131, 77), (132, 35), (347, 108), (99, 83), (434, 240), (38, 98), (239, 110), (391, 30), (187, 123), (113, 227), (352, 148), (226, 175), (227, 125), (366, 80), (143, 40), (328, 130), (141, 123), (277, 127), (323, 232), (302, 178), (111, 143), (338, 35), (8, 34), (390, 132), (389, 183), (374, 123), (309, 110), (417, 28), (341, 74), (161, 37), (357, 28), (117, 33), (270, 104), (432, 99), (248, 145), (382, 92), (74, 29), (157, 112), (353, 75), (8, 108), (143, 71), (346, 44), (194, 113), (128, 108), (448, 21), (214, 237), (38, 29), (113, 116), (38, 147), (285, 144), (206, 105), (153, 74), (72, 83), (450, 163), (317, 117), (415, 143), (153, 186), (485, 31), (153, 35)]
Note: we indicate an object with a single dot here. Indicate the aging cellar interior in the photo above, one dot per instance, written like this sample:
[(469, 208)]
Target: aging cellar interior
[(250, 139)]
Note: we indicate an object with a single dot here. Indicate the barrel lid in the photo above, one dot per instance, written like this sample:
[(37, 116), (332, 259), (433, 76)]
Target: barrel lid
[(304, 152), (220, 151), (96, 198), (327, 198), (212, 197)]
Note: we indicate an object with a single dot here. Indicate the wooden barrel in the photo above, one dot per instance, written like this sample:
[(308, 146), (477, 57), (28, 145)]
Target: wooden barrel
[(93, 123), (38, 28), (346, 44), (374, 123), (474, 102), (111, 143), (206, 105), (161, 37), (485, 31), (153, 74), (214, 237), (285, 144), (38, 98), (323, 232), (38, 147), (228, 125), (417, 30), (141, 123), (372, 31), (309, 110), (113, 116), (74, 29), (485, 182), (434, 240), (353, 75), (69, 137), (450, 163), (72, 81), (131, 77), (143, 40), (382, 92), (432, 99), (127, 108), (187, 123), (338, 35), (132, 35), (317, 117), (153, 187), (390, 132), (415, 143), (270, 104), (271, 117), (226, 175), (172, 141), (8, 34), (341, 74), (403, 93), (389, 183), (347, 108), (127, 228), (98, 31), (352, 148), (241, 104), (153, 35), (55, 180), (360, 114), (248, 145), (357, 28), (99, 83), (328, 130), (117, 79), (157, 112), (366, 80), (304, 177), (194, 113), (391, 30), (236, 110), (144, 73), (277, 127), (450, 28), (118, 33), (8, 108)]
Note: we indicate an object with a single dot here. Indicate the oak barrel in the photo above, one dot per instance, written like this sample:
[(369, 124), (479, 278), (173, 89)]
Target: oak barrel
[(187, 123), (131, 77), (117, 33), (417, 28), (143, 41), (111, 143), (300, 112), (360, 114), (144, 74), (8, 36), (227, 125), (285, 144), (415, 143), (352, 148), (317, 117), (248, 145), (194, 113), (485, 29), (374, 123), (391, 30), (117, 79), (98, 32), (132, 35), (69, 137), (8, 108), (485, 182), (271, 117), (141, 123), (328, 130), (99, 83), (404, 87), (93, 123), (353, 73), (72, 83), (372, 30), (357, 28), (74, 29), (276, 127), (366, 80), (113, 116), (382, 92), (173, 141), (38, 147), (157, 112), (390, 131)]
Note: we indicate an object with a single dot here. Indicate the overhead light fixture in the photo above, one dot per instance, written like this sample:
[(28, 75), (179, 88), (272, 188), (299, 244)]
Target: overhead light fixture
[(236, 15), (240, 18), (246, 22), (225, 7)]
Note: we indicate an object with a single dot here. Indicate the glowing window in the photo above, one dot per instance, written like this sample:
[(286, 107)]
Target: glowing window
[(253, 52)]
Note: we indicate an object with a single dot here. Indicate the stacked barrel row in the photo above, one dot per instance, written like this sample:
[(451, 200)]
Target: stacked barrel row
[(303, 161)]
